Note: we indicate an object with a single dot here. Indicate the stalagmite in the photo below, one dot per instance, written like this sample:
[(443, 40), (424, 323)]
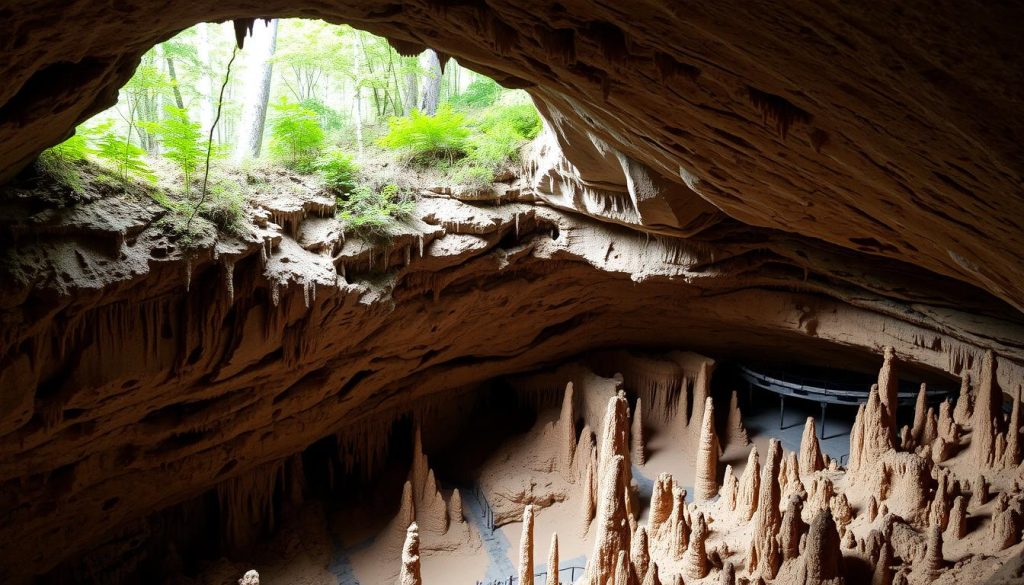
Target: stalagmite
[(526, 547), (455, 513), (730, 489), (1012, 455), (822, 559), (410, 574), (987, 410), (931, 427), (920, 408), (1006, 526), (964, 410), (957, 526), (552, 578), (661, 503), (888, 388), (728, 574), (856, 439), (622, 570), (877, 429), (821, 495), (979, 490), (637, 435), (883, 566), (933, 561), (842, 512), (941, 503), (810, 450), (695, 561), (750, 486), (589, 499), (250, 578), (793, 527), (705, 485), (651, 578), (701, 392), (640, 555), (736, 432), (567, 431), (764, 557), (902, 482), (613, 533), (674, 534), (872, 508), (614, 436)]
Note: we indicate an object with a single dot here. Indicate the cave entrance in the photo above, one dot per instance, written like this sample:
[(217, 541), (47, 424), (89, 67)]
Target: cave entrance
[(204, 129)]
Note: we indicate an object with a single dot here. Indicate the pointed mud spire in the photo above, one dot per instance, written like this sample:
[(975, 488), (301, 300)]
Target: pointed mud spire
[(410, 574), (567, 431), (728, 574), (730, 489), (957, 525), (765, 557), (793, 529), (888, 388), (622, 569), (589, 500), (750, 486), (695, 561), (640, 554), (822, 558), (810, 451), (1012, 455), (526, 547), (637, 435), (705, 485), (883, 566), (920, 408), (651, 578), (661, 503), (553, 561), (613, 533), (933, 561), (987, 412), (736, 433), (964, 410)]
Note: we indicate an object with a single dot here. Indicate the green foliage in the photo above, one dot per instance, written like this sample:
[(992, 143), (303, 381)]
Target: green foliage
[(120, 156), (338, 170), (182, 140), (429, 138), (296, 135), (73, 149), (370, 213), (482, 92), (472, 175)]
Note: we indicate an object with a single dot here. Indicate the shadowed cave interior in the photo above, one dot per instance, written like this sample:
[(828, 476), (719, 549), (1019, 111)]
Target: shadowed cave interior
[(605, 347)]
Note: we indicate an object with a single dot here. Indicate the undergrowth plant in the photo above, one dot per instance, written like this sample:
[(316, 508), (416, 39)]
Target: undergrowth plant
[(338, 170), (122, 157), (296, 135), (60, 162), (370, 213), (428, 139), (182, 140)]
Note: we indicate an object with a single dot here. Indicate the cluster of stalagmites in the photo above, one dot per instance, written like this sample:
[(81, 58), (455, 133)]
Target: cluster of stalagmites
[(800, 522)]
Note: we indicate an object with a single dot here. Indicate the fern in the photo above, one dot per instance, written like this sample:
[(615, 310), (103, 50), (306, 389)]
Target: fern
[(123, 157), (429, 138), (296, 135), (370, 213), (182, 140)]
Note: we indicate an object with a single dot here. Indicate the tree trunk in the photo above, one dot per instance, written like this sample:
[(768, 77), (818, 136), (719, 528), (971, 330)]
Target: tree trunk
[(431, 83), (206, 89), (357, 60), (410, 93), (254, 114)]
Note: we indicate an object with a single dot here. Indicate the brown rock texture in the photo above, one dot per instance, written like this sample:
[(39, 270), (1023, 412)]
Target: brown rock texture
[(526, 547), (823, 559), (613, 534), (695, 561), (552, 577), (750, 485), (764, 556)]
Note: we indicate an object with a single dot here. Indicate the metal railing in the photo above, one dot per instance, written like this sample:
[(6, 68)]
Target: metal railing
[(570, 572), (488, 512)]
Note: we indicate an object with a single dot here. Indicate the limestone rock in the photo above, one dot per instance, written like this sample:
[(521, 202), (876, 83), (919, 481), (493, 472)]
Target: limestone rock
[(888, 388), (566, 426), (651, 578), (792, 530), (736, 433), (964, 411), (613, 532), (987, 414), (933, 561), (728, 574), (250, 578)]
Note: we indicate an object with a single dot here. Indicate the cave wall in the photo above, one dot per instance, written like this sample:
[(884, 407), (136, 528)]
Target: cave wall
[(137, 376), (889, 128)]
